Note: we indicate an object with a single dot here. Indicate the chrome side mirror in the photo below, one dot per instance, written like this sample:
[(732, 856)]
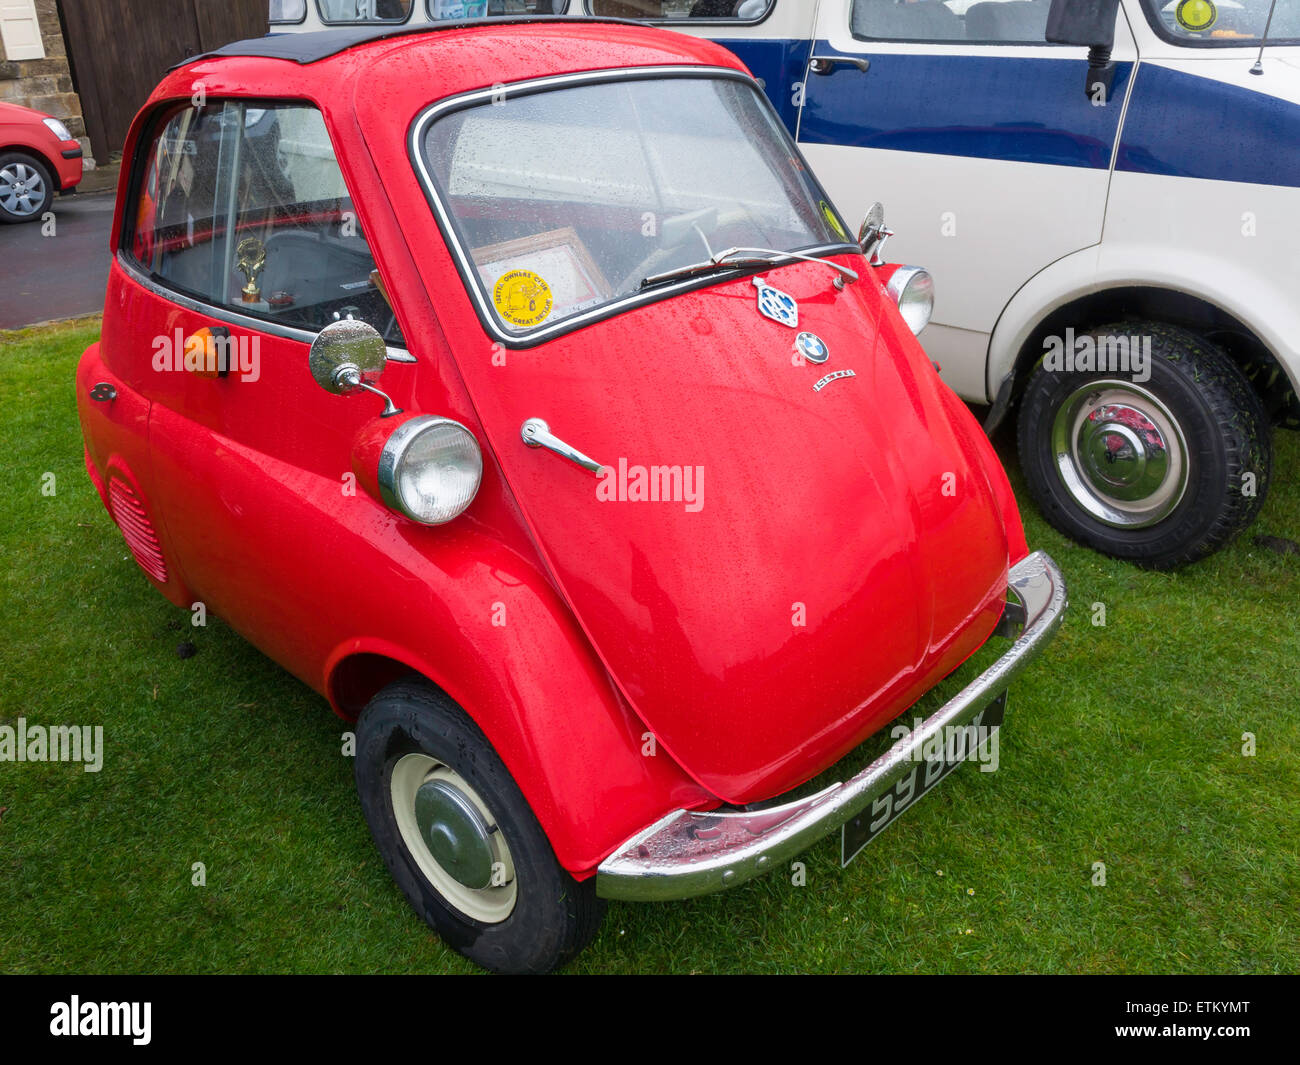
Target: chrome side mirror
[(347, 357), (873, 233)]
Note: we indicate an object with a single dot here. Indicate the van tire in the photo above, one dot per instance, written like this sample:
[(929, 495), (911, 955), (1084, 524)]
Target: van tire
[(1177, 466)]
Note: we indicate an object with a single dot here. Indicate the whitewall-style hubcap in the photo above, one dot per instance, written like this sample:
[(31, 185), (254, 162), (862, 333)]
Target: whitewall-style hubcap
[(454, 838)]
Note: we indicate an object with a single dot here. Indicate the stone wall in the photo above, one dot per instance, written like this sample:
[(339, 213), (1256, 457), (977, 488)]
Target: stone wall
[(46, 84)]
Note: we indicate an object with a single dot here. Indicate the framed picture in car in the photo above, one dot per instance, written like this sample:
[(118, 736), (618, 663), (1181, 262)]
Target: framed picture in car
[(559, 257)]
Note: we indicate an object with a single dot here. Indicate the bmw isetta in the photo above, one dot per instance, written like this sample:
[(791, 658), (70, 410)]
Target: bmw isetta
[(517, 387)]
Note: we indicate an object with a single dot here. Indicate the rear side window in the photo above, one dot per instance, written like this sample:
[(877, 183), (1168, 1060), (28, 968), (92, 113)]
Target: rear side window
[(668, 10), (980, 21), (243, 206)]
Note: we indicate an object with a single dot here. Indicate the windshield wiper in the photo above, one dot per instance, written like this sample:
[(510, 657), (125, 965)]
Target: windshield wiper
[(731, 258)]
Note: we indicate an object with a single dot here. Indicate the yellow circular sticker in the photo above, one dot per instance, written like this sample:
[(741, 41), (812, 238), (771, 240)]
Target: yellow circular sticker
[(834, 220), (523, 298), (1196, 15)]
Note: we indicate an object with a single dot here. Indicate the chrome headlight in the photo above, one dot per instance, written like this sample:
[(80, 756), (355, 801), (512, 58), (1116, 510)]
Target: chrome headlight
[(430, 469), (913, 290), (58, 129)]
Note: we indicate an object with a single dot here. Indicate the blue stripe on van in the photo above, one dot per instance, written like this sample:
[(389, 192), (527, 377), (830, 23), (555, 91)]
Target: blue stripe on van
[(1187, 126), (776, 63), (1035, 111), (986, 107)]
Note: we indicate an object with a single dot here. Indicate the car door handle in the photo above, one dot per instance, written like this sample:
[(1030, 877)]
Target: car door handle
[(824, 64), (536, 433)]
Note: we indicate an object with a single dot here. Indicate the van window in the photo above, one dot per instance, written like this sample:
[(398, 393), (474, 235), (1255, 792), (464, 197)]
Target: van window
[(293, 11), (242, 205), (1237, 22), (445, 9), (338, 12), (980, 21), (667, 10)]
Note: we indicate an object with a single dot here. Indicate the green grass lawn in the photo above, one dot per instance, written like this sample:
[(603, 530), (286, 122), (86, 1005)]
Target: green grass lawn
[(1123, 745)]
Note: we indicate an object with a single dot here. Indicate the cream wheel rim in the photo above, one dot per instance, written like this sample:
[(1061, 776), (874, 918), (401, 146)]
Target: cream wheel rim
[(454, 838)]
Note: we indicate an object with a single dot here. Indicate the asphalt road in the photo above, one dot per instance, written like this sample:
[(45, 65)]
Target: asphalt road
[(59, 276)]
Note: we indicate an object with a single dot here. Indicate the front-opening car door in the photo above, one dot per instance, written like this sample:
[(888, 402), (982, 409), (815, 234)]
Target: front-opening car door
[(246, 243), (992, 159)]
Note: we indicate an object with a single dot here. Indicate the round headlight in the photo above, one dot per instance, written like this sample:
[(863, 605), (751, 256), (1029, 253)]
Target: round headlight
[(430, 469), (913, 290)]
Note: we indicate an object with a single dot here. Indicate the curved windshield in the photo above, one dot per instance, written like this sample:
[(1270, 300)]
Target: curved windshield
[(564, 202), (1224, 22)]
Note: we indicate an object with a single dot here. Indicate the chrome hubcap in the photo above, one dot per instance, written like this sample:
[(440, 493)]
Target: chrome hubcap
[(22, 189), (1120, 454), (453, 837)]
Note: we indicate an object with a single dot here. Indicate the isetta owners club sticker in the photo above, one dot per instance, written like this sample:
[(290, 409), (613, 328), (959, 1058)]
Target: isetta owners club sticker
[(523, 298)]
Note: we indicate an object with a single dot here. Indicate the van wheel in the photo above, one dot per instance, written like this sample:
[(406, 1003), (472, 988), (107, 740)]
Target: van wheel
[(1161, 472), (459, 839)]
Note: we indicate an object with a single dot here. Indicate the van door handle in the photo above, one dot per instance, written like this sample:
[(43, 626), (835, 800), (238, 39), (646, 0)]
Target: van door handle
[(536, 433), (824, 64)]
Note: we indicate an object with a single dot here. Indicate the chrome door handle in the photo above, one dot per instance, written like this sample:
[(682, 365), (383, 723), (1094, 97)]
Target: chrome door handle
[(824, 64), (536, 433)]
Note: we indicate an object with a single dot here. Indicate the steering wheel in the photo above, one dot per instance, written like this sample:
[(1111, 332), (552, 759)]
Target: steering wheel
[(660, 256)]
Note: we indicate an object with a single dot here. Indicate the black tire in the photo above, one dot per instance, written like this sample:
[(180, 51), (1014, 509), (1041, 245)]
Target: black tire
[(1193, 441), (551, 917), (18, 169)]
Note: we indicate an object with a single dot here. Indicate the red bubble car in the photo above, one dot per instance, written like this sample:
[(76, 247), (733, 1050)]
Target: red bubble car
[(516, 386)]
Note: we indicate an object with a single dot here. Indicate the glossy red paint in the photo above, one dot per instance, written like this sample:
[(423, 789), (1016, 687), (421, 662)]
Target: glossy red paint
[(843, 508)]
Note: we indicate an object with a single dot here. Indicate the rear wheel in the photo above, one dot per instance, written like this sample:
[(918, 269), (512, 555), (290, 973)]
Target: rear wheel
[(1162, 471), (459, 839), (26, 187)]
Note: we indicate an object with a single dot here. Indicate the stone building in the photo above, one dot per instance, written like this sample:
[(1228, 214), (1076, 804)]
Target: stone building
[(34, 69)]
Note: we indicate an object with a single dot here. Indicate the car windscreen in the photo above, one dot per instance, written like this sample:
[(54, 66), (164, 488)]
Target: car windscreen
[(561, 202)]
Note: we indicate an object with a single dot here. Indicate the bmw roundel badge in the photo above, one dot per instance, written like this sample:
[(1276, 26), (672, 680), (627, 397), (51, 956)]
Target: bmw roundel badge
[(812, 347)]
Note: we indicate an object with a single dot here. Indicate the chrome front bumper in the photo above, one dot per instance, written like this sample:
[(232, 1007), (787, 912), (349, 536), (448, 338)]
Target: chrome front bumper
[(692, 853)]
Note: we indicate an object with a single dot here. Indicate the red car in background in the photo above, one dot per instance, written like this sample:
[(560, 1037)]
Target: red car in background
[(665, 510), (38, 157)]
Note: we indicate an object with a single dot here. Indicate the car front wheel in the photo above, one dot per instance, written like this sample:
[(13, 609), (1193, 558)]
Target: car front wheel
[(1161, 466), (26, 188), (459, 838)]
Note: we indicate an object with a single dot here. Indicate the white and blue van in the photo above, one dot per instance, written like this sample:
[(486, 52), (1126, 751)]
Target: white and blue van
[(1112, 221)]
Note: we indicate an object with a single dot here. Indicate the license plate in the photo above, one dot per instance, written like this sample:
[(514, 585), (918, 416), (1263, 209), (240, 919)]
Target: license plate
[(924, 775)]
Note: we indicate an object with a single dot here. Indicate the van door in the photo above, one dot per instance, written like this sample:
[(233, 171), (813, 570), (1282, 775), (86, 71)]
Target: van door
[(978, 137)]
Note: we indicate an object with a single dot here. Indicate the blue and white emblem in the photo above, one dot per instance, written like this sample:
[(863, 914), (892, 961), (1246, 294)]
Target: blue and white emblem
[(812, 347), (777, 305)]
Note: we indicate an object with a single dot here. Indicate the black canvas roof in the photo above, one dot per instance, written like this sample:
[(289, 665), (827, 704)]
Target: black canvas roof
[(321, 44)]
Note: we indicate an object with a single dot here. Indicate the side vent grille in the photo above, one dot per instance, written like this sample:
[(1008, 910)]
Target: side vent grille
[(137, 529)]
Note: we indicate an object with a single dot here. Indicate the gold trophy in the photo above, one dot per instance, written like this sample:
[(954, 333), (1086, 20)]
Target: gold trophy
[(250, 257)]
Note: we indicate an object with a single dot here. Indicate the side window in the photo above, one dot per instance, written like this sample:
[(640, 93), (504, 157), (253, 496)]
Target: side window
[(243, 206), (342, 12), (444, 9), (981, 21), (290, 11), (666, 10)]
